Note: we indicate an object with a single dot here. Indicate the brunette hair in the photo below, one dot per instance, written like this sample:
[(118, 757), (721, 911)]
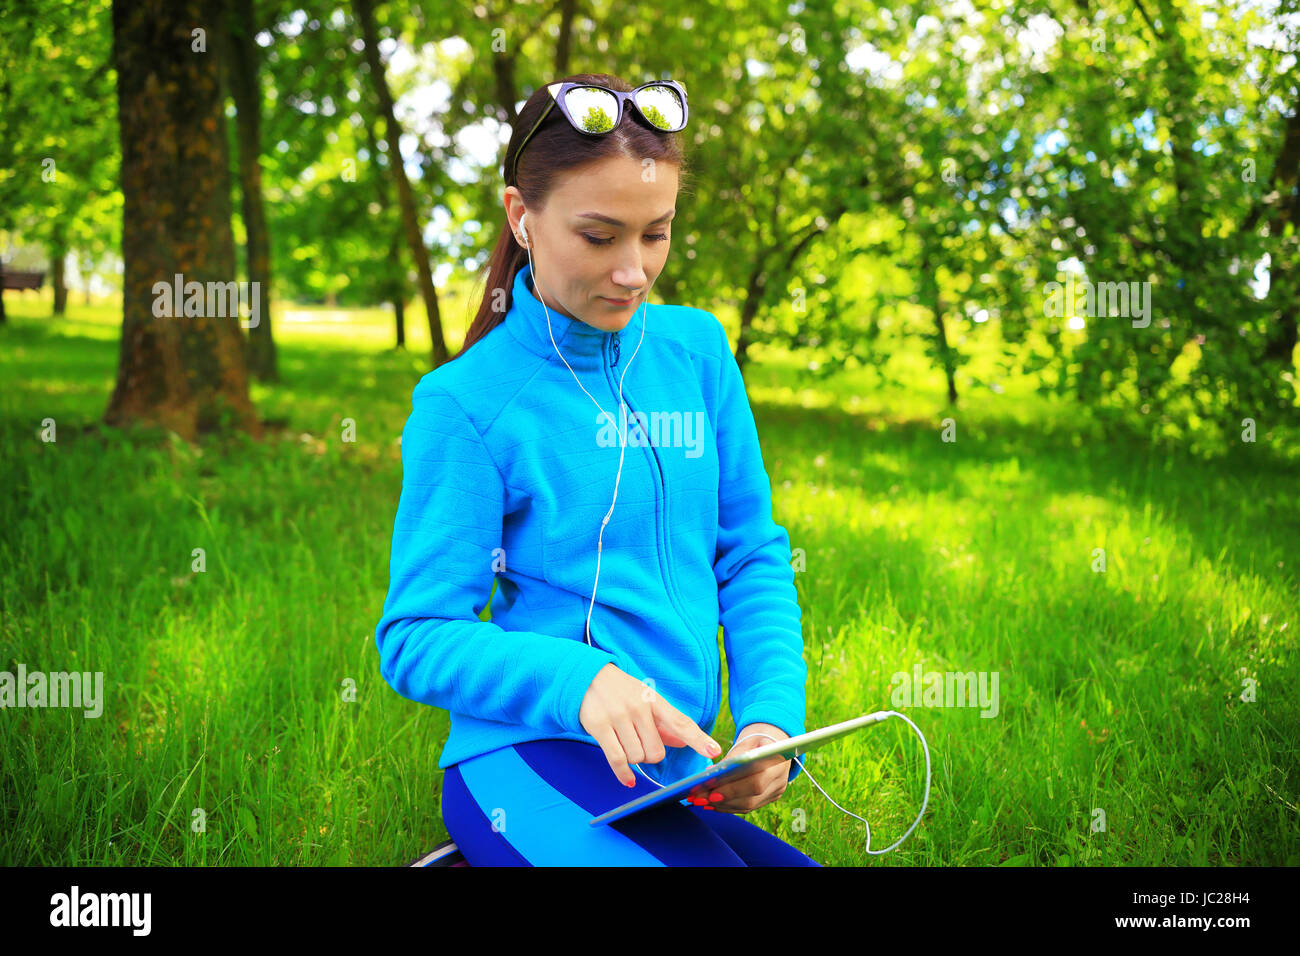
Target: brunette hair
[(554, 149)]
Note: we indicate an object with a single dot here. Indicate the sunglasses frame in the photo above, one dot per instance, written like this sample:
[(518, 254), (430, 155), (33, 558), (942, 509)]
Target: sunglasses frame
[(558, 92)]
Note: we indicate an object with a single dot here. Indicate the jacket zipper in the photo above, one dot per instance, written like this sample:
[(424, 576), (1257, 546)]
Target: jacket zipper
[(711, 652)]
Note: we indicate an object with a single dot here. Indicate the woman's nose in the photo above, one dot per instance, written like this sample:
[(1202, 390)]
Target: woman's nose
[(631, 277)]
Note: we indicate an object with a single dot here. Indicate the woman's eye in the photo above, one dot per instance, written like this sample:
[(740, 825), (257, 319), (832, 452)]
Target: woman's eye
[(597, 241)]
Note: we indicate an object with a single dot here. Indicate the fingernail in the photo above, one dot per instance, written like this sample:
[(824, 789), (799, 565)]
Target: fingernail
[(715, 797), (630, 783)]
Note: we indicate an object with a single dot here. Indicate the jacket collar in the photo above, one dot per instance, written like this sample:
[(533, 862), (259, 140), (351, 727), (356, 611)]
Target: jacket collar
[(582, 345)]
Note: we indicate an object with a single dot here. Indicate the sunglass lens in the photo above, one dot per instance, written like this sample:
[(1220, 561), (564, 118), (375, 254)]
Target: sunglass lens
[(592, 109), (661, 106)]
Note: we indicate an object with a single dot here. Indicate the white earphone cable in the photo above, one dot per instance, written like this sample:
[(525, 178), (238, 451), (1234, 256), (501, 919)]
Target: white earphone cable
[(600, 542), (622, 435), (924, 800)]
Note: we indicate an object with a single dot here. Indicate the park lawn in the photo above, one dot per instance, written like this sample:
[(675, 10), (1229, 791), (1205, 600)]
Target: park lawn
[(228, 735)]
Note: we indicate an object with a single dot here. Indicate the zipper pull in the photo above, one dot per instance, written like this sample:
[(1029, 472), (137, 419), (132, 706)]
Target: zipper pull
[(615, 348)]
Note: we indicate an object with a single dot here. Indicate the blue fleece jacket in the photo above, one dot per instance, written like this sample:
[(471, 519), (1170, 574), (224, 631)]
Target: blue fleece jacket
[(508, 469)]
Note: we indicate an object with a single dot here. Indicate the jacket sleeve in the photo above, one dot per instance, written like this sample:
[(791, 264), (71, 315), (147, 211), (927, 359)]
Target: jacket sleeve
[(758, 604), (432, 646)]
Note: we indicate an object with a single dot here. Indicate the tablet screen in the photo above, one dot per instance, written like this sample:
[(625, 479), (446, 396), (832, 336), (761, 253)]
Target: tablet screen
[(728, 767)]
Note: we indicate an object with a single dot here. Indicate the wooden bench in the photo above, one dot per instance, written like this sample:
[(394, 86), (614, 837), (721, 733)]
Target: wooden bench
[(23, 280)]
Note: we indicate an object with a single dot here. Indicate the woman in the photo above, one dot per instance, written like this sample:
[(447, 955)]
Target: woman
[(563, 705)]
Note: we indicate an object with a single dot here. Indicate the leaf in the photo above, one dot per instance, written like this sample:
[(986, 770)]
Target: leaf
[(340, 857), (247, 821), (72, 522)]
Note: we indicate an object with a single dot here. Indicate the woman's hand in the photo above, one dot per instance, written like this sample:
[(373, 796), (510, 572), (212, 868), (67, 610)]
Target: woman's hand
[(760, 784), (631, 722)]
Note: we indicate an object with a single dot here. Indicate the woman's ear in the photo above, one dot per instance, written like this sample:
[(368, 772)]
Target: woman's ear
[(517, 205)]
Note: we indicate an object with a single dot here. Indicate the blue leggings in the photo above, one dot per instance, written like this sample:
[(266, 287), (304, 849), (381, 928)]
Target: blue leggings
[(541, 794)]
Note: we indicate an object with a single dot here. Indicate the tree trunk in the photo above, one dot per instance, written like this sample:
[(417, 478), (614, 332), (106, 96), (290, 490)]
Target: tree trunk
[(747, 312), (399, 291), (405, 197), (749, 309), (396, 289), (564, 44), (3, 318), (1279, 348), (182, 372), (945, 351), (86, 268), (243, 76), (931, 295), (58, 275)]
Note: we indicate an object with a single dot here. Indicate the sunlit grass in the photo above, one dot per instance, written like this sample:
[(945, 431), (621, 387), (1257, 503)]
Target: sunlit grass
[(1119, 691)]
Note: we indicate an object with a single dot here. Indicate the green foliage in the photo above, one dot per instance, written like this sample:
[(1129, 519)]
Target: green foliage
[(59, 153), (972, 160)]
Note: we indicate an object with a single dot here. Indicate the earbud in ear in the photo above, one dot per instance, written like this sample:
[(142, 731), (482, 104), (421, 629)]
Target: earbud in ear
[(523, 230)]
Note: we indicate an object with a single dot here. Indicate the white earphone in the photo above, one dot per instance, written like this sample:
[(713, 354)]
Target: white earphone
[(623, 434), (599, 544)]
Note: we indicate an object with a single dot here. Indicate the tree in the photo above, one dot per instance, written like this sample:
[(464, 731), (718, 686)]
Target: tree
[(243, 76), (183, 371), (58, 138), (1156, 124), (405, 197)]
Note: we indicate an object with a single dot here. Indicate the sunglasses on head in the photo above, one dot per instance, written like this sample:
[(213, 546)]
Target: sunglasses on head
[(596, 110)]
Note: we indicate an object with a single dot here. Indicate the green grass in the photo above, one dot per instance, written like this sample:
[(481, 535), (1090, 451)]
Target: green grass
[(1119, 691)]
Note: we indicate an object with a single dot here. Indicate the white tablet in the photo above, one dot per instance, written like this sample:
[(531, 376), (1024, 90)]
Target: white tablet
[(730, 766)]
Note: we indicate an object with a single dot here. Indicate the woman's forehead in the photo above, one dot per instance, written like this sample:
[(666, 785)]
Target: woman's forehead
[(620, 190)]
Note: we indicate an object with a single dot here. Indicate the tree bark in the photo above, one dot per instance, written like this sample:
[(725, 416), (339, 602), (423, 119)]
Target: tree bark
[(58, 275), (397, 288), (931, 295), (748, 309), (399, 313), (85, 264), (243, 75), (405, 197), (184, 372)]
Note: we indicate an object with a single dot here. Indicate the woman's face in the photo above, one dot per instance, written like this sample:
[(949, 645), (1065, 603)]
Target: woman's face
[(580, 260)]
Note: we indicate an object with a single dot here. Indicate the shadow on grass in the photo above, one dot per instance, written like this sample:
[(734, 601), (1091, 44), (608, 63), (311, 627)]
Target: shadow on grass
[(46, 369), (1250, 487)]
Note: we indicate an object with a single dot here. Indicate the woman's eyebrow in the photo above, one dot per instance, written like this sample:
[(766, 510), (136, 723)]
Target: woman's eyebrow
[(614, 222)]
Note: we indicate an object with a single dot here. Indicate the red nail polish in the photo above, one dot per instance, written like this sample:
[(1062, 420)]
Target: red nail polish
[(715, 797)]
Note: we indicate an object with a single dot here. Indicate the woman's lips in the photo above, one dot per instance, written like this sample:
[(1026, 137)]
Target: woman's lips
[(622, 302)]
